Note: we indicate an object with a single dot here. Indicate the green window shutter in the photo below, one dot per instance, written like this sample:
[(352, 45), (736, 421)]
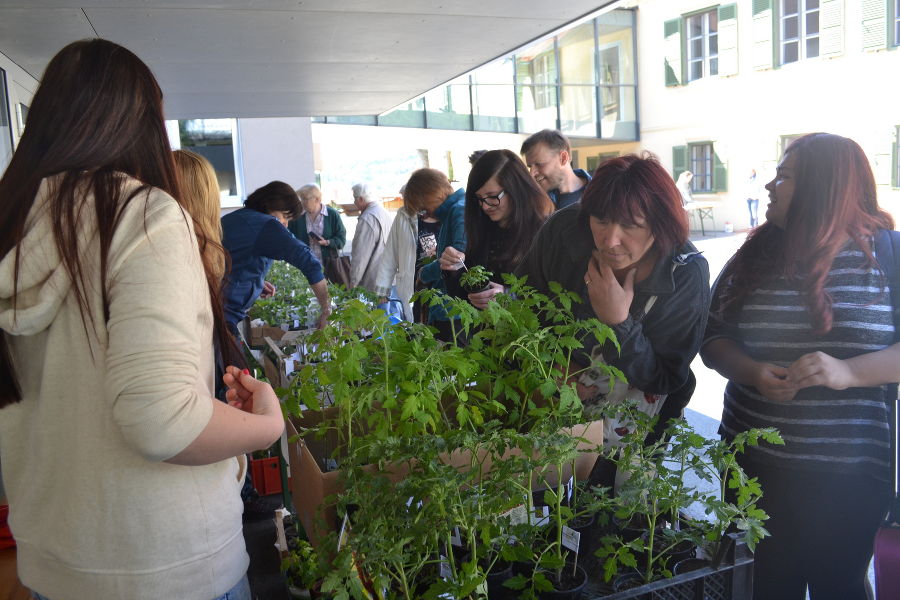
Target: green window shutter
[(728, 39), (832, 27), (874, 24), (763, 40), (672, 48), (679, 161), (720, 174)]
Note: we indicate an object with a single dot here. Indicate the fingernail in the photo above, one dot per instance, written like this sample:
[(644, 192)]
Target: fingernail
[(246, 371)]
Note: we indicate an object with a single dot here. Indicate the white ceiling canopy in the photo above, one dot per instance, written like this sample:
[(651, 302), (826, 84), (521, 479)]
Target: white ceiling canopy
[(281, 58)]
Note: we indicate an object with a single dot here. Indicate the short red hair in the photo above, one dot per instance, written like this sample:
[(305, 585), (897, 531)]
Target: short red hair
[(629, 187)]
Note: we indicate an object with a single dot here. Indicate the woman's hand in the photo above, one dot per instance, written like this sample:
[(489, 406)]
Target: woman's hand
[(609, 300), (452, 259), (323, 242), (774, 382), (480, 299), (249, 394), (268, 290), (818, 368)]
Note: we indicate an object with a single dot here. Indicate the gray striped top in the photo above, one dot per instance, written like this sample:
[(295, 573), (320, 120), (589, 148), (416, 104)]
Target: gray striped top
[(843, 430)]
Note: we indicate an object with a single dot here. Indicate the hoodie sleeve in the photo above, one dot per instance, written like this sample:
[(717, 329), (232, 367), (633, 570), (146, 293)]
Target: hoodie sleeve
[(160, 329)]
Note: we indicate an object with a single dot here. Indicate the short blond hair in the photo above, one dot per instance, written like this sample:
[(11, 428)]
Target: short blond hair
[(200, 198)]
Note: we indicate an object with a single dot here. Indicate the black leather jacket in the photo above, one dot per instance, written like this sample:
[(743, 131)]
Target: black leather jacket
[(656, 348)]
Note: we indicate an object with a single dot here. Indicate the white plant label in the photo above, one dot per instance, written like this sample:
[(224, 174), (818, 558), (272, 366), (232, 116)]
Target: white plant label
[(571, 538), (456, 538), (445, 572), (517, 515)]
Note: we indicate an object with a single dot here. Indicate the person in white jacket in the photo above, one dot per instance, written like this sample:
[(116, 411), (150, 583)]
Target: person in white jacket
[(369, 239), (398, 263), (121, 469)]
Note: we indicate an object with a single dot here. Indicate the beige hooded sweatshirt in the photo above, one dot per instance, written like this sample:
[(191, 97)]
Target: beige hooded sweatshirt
[(95, 511)]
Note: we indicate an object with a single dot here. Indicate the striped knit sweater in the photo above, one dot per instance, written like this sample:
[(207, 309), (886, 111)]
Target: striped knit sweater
[(839, 430)]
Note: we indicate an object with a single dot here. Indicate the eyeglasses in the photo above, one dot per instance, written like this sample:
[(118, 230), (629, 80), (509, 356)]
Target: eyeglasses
[(493, 200)]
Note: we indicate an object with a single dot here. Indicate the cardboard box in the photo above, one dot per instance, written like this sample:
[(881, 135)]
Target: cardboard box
[(258, 335), (311, 481)]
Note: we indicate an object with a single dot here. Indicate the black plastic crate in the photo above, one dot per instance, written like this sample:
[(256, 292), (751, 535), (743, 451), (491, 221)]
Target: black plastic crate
[(733, 580)]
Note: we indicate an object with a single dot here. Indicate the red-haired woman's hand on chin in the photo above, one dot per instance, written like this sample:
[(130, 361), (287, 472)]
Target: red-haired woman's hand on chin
[(818, 368), (774, 382), (249, 394), (609, 299)]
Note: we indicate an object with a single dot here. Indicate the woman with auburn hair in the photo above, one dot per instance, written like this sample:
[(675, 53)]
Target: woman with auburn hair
[(624, 249), (505, 208), (802, 326), (109, 428), (432, 191), (200, 197)]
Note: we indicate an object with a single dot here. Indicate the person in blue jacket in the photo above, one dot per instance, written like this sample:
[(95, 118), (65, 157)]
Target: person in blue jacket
[(254, 237), (432, 190)]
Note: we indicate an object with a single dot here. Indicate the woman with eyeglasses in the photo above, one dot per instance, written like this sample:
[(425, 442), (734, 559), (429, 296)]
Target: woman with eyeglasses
[(504, 210)]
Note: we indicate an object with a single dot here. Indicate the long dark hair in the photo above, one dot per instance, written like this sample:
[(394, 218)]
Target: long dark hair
[(529, 207), (632, 186), (834, 198), (96, 114)]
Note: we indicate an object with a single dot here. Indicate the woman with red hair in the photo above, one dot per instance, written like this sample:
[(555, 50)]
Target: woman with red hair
[(801, 325), (624, 248)]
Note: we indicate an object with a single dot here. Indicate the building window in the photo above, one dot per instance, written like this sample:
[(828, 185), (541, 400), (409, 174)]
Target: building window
[(701, 165), (799, 30), (702, 44), (214, 139)]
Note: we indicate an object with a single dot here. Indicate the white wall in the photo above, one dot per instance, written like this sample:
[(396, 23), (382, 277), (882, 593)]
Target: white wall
[(275, 149)]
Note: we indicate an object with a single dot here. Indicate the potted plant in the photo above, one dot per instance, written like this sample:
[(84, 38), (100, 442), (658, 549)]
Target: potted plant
[(653, 492), (475, 279), (301, 570)]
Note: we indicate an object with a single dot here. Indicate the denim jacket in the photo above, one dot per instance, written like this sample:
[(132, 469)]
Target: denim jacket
[(656, 348)]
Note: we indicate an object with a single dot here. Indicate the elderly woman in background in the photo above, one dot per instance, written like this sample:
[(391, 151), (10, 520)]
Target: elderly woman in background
[(625, 250), (320, 227), (803, 327)]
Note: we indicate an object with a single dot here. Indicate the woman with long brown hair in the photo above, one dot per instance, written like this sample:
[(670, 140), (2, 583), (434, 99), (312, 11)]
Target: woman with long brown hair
[(121, 469), (801, 325), (505, 208)]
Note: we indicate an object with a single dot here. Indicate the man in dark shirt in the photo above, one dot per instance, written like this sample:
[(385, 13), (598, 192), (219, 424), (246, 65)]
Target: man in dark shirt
[(548, 156)]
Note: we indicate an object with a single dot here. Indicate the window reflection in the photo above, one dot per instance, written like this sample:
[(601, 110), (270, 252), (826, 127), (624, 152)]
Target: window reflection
[(214, 140), (494, 108), (6, 147)]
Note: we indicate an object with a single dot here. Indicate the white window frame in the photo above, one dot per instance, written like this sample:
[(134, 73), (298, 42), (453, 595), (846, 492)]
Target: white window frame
[(803, 37), (709, 62), (700, 164)]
